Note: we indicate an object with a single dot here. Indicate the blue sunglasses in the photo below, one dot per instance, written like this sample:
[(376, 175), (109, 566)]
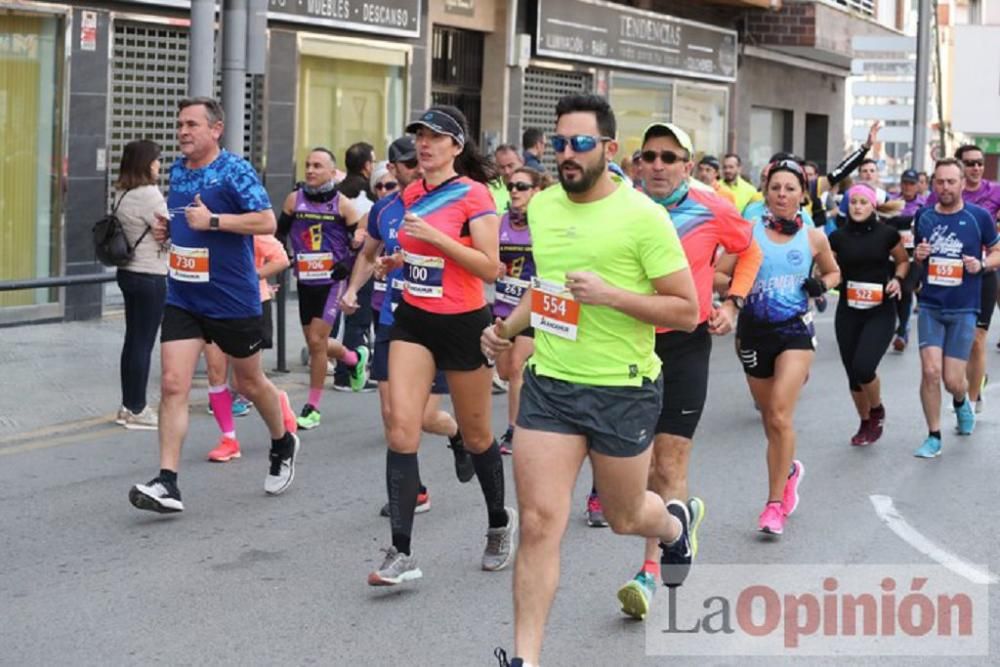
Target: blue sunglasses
[(581, 143)]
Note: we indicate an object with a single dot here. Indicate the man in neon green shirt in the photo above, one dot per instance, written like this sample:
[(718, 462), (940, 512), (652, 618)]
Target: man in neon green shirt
[(610, 268), (742, 189)]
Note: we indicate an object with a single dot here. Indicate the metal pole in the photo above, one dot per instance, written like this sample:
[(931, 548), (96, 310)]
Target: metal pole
[(922, 92), (234, 70), (257, 38), (282, 366), (201, 49)]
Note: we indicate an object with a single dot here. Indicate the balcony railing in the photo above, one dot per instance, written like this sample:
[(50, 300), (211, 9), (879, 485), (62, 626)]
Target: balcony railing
[(866, 7)]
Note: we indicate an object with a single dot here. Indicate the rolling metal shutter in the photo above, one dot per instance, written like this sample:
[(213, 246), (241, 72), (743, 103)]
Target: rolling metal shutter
[(542, 90)]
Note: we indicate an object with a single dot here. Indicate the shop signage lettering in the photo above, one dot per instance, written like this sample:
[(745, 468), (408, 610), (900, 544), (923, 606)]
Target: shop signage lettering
[(392, 17), (607, 34), (400, 18)]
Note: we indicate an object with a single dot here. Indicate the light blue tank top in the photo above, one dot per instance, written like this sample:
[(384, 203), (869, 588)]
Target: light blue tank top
[(777, 295)]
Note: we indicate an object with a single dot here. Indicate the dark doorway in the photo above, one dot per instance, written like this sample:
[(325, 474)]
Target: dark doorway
[(457, 72), (817, 131)]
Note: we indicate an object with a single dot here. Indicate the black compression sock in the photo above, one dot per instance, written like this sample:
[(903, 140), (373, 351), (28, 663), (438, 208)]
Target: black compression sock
[(402, 479), (958, 404), (283, 445), (423, 489), (593, 490), (489, 470), (936, 434), (455, 440), (168, 475)]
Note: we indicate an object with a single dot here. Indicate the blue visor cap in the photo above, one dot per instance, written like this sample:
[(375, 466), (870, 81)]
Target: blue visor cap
[(439, 122)]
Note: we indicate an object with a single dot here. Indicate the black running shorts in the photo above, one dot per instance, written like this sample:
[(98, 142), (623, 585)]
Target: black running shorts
[(685, 358), (453, 340), (616, 421), (239, 338), (758, 354)]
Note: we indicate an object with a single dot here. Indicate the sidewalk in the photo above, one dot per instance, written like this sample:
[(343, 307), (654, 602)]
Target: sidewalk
[(67, 372)]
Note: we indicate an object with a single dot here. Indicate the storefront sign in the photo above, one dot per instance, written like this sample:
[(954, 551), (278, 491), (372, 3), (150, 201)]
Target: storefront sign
[(88, 31), (460, 7), (385, 17), (606, 34)]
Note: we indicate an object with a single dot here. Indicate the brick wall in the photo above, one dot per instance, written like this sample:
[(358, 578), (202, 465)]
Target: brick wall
[(794, 25)]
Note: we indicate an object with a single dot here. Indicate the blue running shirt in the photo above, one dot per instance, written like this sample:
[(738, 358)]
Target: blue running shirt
[(212, 272), (946, 285), (384, 220)]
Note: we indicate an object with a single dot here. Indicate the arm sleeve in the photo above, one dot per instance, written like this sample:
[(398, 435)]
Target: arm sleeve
[(849, 164), (284, 226), (745, 272)]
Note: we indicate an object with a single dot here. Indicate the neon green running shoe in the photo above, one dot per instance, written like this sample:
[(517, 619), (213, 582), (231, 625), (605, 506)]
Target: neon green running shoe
[(309, 419), (359, 374), (696, 506), (637, 594)]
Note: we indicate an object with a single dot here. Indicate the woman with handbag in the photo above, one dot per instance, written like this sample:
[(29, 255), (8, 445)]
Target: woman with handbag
[(143, 281)]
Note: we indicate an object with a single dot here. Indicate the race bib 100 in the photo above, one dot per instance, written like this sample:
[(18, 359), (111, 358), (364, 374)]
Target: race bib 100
[(424, 275)]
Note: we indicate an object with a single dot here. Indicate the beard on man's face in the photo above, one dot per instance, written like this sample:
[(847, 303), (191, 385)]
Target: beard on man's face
[(587, 175)]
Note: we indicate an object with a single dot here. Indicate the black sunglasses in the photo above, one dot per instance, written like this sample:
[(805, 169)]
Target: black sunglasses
[(388, 185), (668, 157), (972, 163), (520, 186)]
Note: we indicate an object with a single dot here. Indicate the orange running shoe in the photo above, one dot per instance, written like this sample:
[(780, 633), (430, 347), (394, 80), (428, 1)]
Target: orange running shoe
[(227, 450)]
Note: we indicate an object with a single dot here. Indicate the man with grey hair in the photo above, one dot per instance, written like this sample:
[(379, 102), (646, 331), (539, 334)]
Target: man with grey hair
[(216, 204)]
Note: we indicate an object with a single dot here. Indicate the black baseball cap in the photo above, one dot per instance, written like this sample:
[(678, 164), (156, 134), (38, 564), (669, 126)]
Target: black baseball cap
[(910, 176), (440, 122), (711, 161), (402, 150)]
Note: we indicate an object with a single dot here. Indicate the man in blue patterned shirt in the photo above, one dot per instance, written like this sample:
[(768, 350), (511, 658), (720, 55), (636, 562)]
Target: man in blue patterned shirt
[(217, 204)]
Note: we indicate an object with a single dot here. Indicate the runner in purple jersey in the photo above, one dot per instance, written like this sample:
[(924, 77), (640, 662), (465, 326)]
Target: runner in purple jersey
[(913, 201), (515, 253), (319, 221), (985, 194)]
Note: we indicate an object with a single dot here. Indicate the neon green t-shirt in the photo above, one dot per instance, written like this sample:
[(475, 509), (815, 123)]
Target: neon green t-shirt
[(626, 239), (501, 196)]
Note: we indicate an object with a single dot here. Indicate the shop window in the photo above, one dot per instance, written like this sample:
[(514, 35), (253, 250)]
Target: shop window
[(457, 72), (770, 133), (342, 102), (30, 104), (637, 103), (702, 111)]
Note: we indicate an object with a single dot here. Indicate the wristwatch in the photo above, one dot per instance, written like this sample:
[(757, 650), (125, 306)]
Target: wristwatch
[(738, 301), (213, 222)]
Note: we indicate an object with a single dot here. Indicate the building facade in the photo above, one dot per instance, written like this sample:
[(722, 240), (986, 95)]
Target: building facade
[(80, 80)]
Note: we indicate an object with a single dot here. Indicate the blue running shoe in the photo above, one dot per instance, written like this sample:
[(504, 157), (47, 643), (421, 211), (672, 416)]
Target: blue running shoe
[(241, 406), (636, 596), (966, 418), (930, 448)]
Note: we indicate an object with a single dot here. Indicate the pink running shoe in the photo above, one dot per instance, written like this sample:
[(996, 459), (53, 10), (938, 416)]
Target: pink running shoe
[(772, 519), (227, 450), (287, 415), (790, 498)]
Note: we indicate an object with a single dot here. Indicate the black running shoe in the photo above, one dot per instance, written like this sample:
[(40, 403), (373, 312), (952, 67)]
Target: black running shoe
[(156, 496), (676, 558), (464, 468)]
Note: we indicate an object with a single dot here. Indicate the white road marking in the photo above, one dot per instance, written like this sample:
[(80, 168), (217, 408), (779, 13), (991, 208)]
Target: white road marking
[(887, 513)]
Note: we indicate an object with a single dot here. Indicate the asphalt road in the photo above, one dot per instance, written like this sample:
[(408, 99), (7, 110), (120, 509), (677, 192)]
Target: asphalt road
[(241, 578)]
